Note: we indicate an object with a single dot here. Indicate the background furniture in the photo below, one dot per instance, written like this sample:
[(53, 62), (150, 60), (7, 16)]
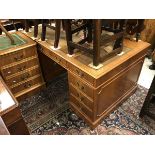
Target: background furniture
[(12, 24), (149, 103), (135, 26), (56, 27), (32, 22)]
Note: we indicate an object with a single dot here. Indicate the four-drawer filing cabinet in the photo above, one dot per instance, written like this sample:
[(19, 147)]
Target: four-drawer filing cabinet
[(20, 68)]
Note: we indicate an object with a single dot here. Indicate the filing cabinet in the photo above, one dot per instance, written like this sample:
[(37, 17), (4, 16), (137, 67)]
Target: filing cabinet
[(20, 68)]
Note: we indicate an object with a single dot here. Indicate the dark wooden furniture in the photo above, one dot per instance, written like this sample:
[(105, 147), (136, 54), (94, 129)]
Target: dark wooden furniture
[(3, 128), (135, 26), (10, 112), (12, 24), (75, 26), (20, 68), (56, 27), (149, 103), (96, 93), (32, 22), (93, 33)]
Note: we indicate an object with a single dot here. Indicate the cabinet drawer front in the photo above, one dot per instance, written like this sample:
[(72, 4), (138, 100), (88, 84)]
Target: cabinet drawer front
[(59, 60), (23, 76), (19, 67), (81, 74), (17, 56), (27, 85), (81, 85), (77, 105), (56, 58), (83, 99)]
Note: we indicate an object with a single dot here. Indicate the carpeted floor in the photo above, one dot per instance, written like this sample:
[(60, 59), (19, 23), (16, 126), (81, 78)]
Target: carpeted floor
[(48, 113)]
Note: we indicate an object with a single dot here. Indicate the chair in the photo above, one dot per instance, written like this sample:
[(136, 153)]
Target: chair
[(149, 103), (93, 34), (75, 26), (57, 28), (135, 26), (32, 22), (12, 24)]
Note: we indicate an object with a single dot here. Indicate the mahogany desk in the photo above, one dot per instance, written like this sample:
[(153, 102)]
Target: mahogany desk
[(94, 93)]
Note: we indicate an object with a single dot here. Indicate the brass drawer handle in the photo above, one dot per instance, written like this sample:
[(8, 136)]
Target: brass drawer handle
[(19, 58), (80, 74), (21, 68), (82, 87), (27, 85), (9, 72), (81, 99), (25, 77), (78, 84), (77, 71), (14, 81)]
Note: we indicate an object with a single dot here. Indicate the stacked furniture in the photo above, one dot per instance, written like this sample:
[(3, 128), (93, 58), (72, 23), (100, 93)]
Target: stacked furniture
[(94, 35), (149, 103)]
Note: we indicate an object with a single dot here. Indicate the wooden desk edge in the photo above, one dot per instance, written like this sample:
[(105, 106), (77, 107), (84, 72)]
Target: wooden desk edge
[(13, 98), (98, 73)]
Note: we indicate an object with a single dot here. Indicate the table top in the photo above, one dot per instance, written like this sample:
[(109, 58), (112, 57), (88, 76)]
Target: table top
[(28, 42)]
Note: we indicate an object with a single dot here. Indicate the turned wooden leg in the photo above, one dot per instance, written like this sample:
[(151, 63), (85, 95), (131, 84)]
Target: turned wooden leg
[(0, 31), (68, 35), (63, 24), (43, 34), (57, 32), (26, 25), (90, 31), (35, 28), (96, 41)]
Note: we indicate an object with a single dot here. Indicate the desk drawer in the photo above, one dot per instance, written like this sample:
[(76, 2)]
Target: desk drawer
[(59, 60), (81, 74), (55, 57), (23, 76), (27, 85), (17, 56), (85, 88), (7, 71), (82, 98), (77, 105)]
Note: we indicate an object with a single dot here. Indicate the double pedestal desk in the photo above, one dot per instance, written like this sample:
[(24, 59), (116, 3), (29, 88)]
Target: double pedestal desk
[(94, 93)]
